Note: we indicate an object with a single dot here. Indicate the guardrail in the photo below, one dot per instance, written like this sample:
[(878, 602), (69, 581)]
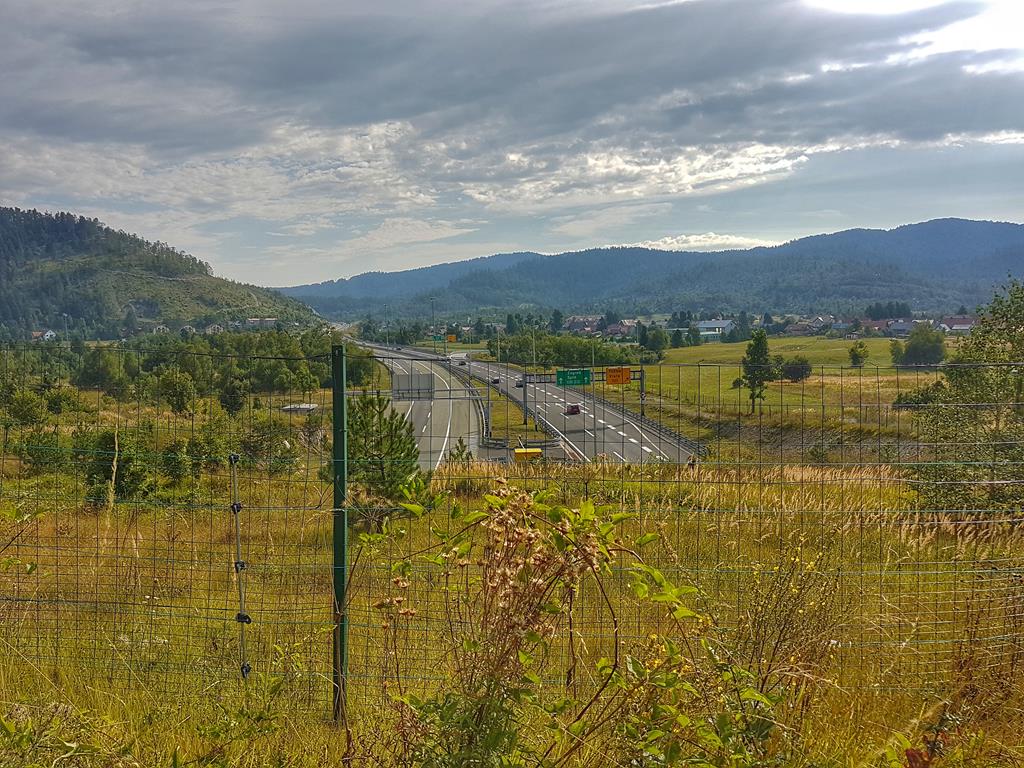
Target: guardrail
[(478, 401), (554, 436), (666, 432), (694, 446)]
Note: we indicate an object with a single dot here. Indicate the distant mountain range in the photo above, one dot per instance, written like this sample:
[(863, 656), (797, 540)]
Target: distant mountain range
[(61, 268), (934, 266)]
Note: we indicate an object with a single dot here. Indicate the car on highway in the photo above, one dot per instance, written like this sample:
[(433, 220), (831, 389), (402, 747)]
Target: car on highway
[(519, 383), (496, 380), (462, 362), (573, 409)]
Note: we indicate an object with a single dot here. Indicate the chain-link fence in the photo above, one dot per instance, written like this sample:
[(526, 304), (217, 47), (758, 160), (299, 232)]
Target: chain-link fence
[(860, 522), (166, 521)]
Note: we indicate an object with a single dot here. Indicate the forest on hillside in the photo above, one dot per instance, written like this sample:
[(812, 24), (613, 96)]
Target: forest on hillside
[(65, 271)]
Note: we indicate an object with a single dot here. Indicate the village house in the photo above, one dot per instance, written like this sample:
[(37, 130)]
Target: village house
[(900, 329), (958, 325), (46, 335), (621, 330), (581, 324), (874, 326), (714, 330), (212, 330), (800, 328)]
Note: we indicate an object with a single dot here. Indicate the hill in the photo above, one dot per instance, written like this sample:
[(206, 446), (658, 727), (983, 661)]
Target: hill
[(52, 265), (935, 266)]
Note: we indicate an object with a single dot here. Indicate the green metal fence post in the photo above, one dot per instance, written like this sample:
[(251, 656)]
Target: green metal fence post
[(340, 530)]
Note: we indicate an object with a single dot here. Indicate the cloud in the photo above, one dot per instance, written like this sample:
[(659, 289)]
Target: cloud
[(224, 126), (588, 225), (705, 241), (403, 231)]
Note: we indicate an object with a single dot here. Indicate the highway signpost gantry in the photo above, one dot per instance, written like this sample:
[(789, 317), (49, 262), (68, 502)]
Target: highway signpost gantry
[(573, 377), (585, 377)]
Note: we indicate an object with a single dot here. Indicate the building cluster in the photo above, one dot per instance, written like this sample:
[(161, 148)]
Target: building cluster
[(814, 325), (894, 328)]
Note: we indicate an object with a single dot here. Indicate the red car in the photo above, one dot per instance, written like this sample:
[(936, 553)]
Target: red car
[(572, 410)]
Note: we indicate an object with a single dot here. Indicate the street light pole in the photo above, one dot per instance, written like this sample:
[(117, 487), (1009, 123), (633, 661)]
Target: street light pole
[(387, 330)]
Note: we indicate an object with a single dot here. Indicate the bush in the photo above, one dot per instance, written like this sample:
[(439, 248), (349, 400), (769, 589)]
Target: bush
[(796, 369), (105, 450), (270, 445), (27, 408), (178, 389), (40, 450), (64, 400), (858, 354), (666, 699), (234, 396), (925, 346), (176, 461)]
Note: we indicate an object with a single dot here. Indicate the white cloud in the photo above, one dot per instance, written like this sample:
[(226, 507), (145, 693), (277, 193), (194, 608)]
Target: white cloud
[(402, 231), (588, 225), (327, 136), (616, 174), (704, 241)]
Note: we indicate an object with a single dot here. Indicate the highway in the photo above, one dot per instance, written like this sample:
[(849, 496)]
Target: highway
[(600, 429), (437, 423)]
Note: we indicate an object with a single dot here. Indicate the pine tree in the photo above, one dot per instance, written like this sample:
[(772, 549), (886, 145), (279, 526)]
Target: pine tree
[(382, 449), (758, 367)]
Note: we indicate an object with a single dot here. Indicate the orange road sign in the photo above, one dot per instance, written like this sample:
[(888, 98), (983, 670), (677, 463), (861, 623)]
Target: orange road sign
[(451, 338), (617, 375)]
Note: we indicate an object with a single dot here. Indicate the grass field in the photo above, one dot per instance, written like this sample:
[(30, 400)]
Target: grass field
[(694, 392), (506, 418), (910, 616), (817, 349), (868, 614)]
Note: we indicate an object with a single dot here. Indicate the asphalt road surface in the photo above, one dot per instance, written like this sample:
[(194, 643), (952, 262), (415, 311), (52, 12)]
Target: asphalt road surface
[(599, 429), (437, 423)]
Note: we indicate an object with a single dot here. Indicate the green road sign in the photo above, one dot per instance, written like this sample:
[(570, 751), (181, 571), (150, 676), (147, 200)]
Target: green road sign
[(438, 337), (573, 377)]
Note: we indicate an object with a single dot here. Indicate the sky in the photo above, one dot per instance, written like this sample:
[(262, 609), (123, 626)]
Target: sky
[(297, 142)]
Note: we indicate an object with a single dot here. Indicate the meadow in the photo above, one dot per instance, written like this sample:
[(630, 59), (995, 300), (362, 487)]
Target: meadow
[(802, 612)]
